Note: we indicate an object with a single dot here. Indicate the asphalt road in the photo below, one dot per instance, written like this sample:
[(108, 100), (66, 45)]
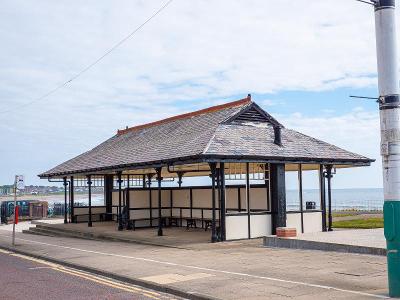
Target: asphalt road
[(23, 277)]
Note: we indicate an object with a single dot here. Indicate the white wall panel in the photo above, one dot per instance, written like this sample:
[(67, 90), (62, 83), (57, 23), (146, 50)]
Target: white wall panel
[(293, 220), (260, 225), (312, 222), (236, 227)]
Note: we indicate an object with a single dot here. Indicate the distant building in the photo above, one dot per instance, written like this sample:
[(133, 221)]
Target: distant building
[(6, 190)]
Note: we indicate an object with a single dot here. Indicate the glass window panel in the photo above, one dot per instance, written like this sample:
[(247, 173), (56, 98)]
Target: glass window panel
[(311, 189), (292, 191)]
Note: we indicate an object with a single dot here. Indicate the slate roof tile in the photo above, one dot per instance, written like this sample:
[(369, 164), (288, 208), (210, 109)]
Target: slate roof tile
[(200, 134)]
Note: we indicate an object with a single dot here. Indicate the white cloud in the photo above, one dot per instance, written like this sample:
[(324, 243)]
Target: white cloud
[(356, 131), (194, 54)]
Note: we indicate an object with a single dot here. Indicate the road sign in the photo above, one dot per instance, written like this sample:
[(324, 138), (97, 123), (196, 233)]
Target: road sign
[(20, 183)]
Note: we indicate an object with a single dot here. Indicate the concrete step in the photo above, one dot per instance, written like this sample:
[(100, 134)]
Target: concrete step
[(46, 230), (32, 232), (290, 243), (61, 232), (49, 232)]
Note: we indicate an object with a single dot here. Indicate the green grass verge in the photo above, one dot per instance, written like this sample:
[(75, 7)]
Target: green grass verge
[(360, 224), (342, 214)]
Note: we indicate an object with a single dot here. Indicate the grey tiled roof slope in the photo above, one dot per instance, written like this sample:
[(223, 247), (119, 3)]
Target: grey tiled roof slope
[(180, 138), (199, 135), (253, 140)]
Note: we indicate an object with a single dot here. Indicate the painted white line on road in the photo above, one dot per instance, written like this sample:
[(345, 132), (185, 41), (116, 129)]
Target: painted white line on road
[(325, 287), (40, 268)]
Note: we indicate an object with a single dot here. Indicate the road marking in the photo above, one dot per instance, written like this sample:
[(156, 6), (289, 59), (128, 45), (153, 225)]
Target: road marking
[(74, 271), (88, 276), (113, 285), (40, 261), (40, 268), (324, 287), (173, 278)]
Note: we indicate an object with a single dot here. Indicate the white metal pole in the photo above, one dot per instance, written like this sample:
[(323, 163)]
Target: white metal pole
[(389, 106), (15, 205)]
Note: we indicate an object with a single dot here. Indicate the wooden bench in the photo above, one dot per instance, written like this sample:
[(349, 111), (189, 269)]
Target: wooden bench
[(101, 217), (190, 222), (132, 223)]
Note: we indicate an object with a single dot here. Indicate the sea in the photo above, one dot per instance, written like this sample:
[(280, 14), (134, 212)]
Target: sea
[(370, 199)]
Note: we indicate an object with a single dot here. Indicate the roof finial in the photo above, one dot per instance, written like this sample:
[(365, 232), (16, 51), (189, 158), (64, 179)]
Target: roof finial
[(249, 96)]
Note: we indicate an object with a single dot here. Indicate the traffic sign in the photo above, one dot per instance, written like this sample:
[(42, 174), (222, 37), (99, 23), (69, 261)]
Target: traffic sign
[(20, 183)]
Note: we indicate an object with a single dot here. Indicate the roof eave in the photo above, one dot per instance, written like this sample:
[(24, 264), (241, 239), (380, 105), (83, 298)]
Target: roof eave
[(276, 159), (213, 158)]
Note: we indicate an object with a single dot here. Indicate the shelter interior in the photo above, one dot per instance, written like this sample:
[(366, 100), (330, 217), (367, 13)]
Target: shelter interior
[(230, 200)]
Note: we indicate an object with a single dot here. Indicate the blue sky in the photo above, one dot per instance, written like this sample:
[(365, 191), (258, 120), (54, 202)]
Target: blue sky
[(300, 60)]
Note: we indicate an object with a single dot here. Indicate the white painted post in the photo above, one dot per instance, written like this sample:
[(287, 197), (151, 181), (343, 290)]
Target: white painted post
[(386, 47), (15, 205)]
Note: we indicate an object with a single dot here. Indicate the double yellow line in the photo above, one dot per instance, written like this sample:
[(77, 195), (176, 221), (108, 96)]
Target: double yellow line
[(98, 279)]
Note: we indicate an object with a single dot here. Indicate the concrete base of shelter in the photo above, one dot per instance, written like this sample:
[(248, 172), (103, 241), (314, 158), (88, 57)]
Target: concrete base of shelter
[(175, 237), (361, 241)]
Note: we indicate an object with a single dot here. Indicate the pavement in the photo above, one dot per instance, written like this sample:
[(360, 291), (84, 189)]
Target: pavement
[(23, 277), (25, 225), (363, 241), (231, 270)]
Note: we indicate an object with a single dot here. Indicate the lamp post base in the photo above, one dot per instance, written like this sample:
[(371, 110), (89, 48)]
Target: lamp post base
[(391, 215)]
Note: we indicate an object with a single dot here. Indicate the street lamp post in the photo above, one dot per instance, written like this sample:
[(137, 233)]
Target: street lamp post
[(389, 107)]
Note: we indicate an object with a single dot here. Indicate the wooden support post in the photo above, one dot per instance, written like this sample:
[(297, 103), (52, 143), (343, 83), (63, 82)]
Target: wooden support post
[(89, 183), (159, 179), (278, 196), (213, 223), (120, 227), (248, 200), (65, 200)]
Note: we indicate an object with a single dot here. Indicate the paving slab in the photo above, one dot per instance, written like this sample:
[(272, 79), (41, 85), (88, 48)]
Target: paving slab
[(233, 270)]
